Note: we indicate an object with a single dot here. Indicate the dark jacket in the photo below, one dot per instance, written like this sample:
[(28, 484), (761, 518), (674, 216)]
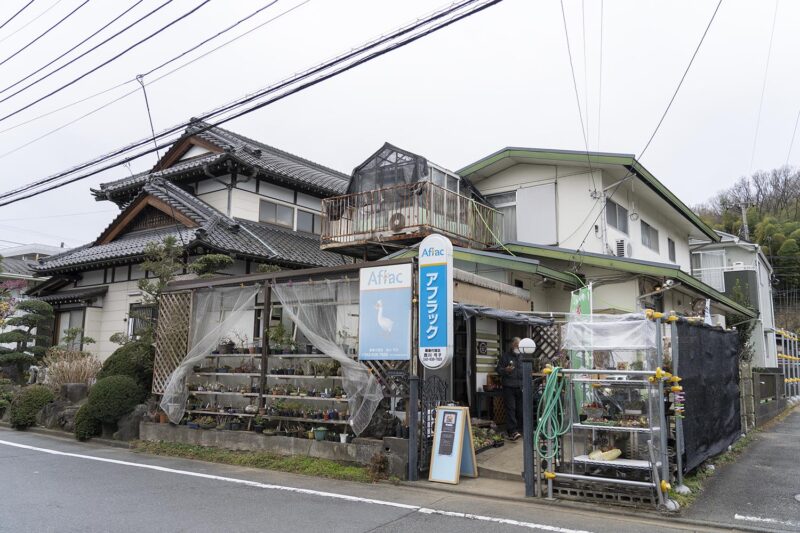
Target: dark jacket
[(513, 379)]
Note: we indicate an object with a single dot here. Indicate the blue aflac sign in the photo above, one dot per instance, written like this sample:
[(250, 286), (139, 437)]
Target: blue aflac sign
[(384, 323), (435, 301)]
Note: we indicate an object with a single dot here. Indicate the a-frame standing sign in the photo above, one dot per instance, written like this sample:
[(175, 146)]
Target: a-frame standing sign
[(453, 452)]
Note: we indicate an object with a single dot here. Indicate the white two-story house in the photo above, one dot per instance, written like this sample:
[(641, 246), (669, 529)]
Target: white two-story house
[(738, 268), (604, 217)]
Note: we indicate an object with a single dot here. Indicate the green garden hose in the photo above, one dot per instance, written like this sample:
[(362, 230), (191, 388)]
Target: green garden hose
[(551, 422)]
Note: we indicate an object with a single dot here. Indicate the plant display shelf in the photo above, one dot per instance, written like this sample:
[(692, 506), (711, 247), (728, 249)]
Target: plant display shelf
[(603, 427), (251, 374), (217, 413), (616, 463), (614, 382), (293, 376), (303, 398), (306, 420), (234, 355), (214, 393)]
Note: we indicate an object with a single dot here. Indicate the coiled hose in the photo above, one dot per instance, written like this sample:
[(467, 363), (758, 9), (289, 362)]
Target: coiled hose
[(551, 423)]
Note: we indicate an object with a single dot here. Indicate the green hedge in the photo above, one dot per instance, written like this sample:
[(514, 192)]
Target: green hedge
[(135, 360), (27, 403), (113, 397), (86, 427)]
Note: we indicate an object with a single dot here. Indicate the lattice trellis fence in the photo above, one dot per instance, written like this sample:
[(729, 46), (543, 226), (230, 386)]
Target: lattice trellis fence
[(392, 375), (548, 340), (172, 335)]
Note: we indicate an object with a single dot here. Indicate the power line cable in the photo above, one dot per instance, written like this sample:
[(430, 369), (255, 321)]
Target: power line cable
[(585, 74), (45, 32), (128, 82), (109, 23), (794, 132), (578, 98), (321, 67), (600, 82), (89, 51), (104, 63), (34, 19), (655, 131), (23, 8), (763, 86), (680, 84), (129, 93), (408, 38)]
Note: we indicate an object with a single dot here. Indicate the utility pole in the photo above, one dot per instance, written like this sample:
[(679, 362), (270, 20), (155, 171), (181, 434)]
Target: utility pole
[(745, 228)]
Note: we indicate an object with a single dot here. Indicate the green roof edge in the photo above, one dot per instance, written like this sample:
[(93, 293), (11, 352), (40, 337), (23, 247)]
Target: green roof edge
[(597, 158), (634, 267)]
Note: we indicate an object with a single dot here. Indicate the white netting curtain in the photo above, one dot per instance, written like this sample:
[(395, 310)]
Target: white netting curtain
[(320, 310), (217, 312), (609, 332)]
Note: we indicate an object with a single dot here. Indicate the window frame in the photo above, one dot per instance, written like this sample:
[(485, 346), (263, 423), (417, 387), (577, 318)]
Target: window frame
[(671, 250), (278, 205), (316, 222), (645, 229), (616, 223)]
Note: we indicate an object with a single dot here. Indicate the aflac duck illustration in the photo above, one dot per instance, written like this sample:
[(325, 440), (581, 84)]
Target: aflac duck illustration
[(383, 322)]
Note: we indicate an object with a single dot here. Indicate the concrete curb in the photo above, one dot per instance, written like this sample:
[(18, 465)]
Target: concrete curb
[(68, 436), (586, 507)]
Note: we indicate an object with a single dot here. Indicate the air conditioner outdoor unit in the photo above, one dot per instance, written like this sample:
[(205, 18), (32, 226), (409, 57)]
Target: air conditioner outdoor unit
[(624, 248), (397, 222)]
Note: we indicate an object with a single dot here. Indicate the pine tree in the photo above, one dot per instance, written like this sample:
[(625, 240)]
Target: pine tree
[(30, 335)]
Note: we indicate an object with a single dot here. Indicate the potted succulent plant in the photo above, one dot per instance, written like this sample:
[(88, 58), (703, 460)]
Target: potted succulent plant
[(225, 346)]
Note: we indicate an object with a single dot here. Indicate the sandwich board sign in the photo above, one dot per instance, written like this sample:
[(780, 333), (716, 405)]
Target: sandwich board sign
[(435, 301), (384, 318), (453, 453)]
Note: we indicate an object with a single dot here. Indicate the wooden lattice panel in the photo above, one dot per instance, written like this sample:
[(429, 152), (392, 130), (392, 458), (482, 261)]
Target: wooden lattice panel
[(172, 335), (390, 375), (548, 340)]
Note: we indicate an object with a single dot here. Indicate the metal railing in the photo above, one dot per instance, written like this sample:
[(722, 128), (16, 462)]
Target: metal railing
[(407, 211)]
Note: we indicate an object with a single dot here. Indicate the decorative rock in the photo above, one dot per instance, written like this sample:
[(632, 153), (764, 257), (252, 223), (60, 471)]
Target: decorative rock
[(128, 425), (74, 392), (50, 415), (68, 418)]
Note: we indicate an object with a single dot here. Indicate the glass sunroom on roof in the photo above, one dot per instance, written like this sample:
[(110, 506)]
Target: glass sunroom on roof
[(397, 197)]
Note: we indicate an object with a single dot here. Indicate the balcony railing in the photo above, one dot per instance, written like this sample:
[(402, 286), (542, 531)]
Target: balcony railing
[(408, 212), (715, 276)]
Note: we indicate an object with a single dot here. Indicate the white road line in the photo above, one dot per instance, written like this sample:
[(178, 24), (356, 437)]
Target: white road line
[(333, 495), (766, 520)]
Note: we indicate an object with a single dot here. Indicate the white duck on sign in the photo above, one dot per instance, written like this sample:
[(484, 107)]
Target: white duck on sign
[(384, 323)]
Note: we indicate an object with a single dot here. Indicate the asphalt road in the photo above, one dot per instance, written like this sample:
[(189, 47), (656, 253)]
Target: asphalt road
[(53, 484), (762, 488)]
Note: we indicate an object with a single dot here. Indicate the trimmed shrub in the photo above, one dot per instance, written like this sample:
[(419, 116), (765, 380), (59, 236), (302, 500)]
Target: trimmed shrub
[(27, 403), (113, 397), (86, 426), (135, 360)]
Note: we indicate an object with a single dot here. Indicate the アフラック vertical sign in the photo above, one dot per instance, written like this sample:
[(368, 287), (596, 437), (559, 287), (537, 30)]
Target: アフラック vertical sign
[(435, 301), (384, 319)]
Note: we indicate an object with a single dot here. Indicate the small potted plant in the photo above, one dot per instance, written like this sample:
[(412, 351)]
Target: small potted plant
[(225, 346), (207, 422), (320, 433), (242, 341), (236, 424), (258, 424)]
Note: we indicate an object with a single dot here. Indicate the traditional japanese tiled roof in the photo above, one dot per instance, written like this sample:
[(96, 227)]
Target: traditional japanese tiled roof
[(214, 231), (16, 268), (75, 295), (270, 162)]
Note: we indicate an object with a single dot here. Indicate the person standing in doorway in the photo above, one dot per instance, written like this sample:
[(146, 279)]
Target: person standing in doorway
[(510, 371)]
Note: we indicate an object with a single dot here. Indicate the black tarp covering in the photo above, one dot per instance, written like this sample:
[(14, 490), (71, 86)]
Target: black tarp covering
[(503, 315), (709, 367)]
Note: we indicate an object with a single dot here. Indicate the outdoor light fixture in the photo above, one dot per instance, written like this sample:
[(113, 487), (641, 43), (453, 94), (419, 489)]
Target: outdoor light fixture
[(527, 346)]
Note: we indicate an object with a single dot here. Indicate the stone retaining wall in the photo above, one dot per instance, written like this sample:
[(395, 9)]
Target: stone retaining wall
[(359, 451)]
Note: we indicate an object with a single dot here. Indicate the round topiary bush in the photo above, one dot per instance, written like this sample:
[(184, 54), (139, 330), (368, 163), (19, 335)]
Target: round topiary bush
[(27, 403), (86, 426), (134, 359), (113, 397)]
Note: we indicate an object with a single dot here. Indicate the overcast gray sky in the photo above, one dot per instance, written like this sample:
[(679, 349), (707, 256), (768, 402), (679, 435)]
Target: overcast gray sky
[(500, 78)]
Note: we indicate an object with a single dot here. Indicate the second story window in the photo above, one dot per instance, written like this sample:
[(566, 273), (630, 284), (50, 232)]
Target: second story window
[(671, 249), (617, 216), (308, 222), (649, 236), (275, 213), (506, 203)]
